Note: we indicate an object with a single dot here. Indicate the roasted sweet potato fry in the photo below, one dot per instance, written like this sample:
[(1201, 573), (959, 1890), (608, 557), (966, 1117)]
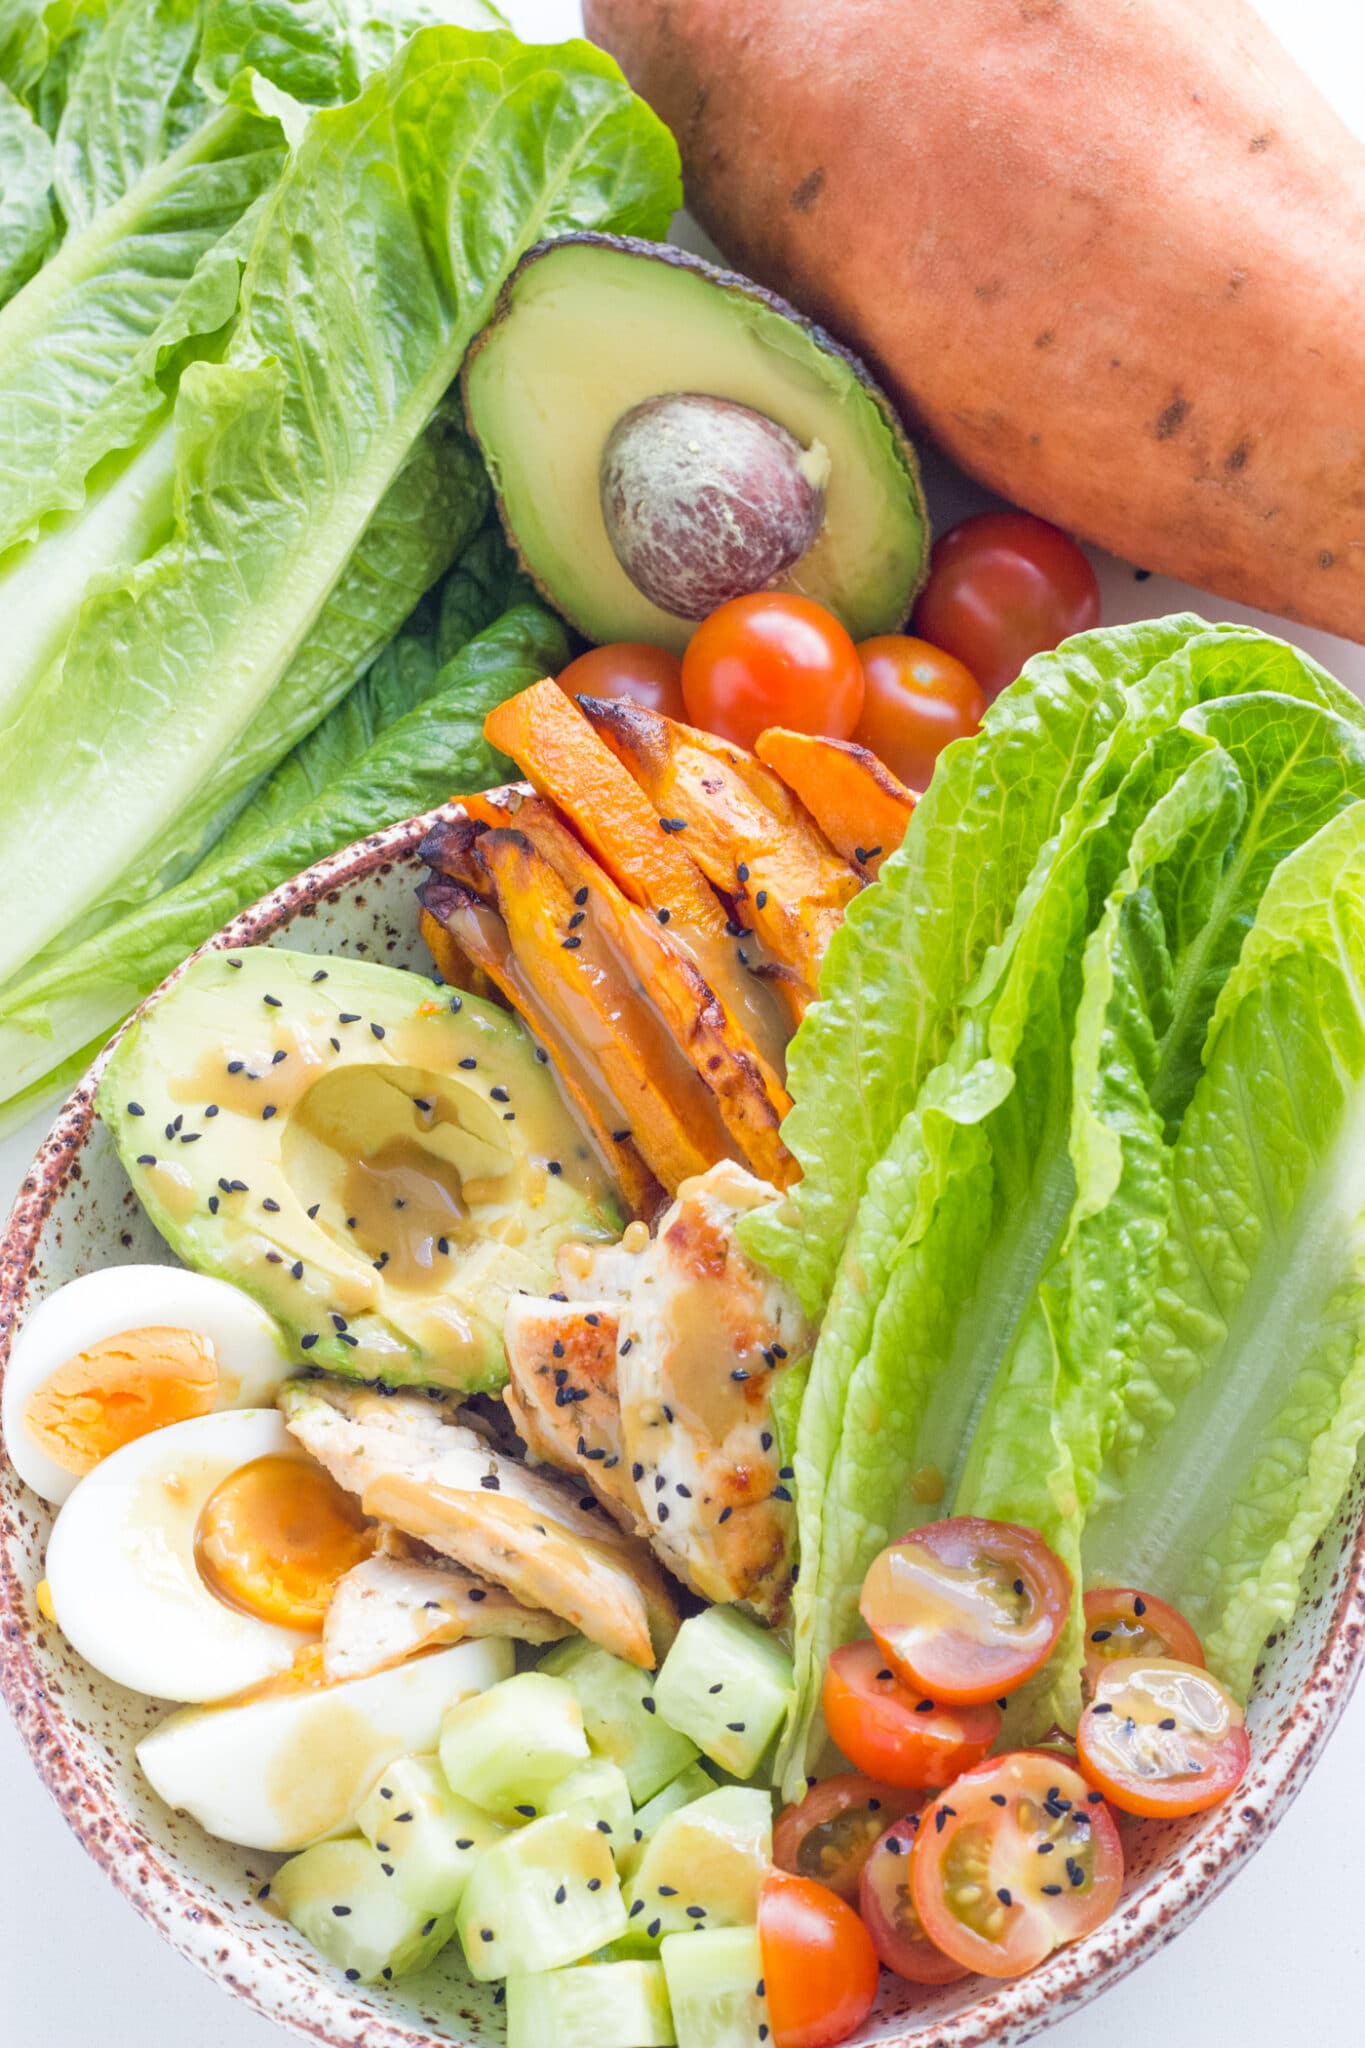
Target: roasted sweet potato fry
[(454, 921), (853, 797), (748, 1093), (449, 848), (553, 743), (590, 988), (741, 825)]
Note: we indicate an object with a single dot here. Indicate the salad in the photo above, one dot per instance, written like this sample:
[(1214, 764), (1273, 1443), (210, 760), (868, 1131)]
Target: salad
[(738, 1434)]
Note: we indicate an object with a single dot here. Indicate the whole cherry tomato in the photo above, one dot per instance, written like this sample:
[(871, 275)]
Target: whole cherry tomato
[(1003, 587)]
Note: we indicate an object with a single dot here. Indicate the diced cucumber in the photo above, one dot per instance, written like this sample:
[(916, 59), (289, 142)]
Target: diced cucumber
[(597, 1791), (715, 1988), (542, 1897), (338, 1896), (690, 1784), (703, 1865), (596, 2005), (726, 1683), (423, 1833), (506, 1749), (613, 1695)]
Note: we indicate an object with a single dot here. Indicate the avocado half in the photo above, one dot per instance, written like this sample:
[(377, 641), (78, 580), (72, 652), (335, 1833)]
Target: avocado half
[(588, 327)]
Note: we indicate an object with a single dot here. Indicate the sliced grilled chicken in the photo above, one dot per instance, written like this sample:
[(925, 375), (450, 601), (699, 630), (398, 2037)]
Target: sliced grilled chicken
[(387, 1608), (563, 1399), (704, 1337), (414, 1464)]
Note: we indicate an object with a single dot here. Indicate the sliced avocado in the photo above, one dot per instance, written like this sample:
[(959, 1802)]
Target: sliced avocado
[(590, 327), (379, 1161)]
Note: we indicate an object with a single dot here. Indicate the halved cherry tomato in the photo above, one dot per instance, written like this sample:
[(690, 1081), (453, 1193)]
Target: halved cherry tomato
[(889, 1915), (1162, 1738), (832, 1832), (966, 1609), (1015, 1859), (819, 1965), (1121, 1622), (916, 699), (895, 1734), (772, 659), (1002, 587), (628, 668)]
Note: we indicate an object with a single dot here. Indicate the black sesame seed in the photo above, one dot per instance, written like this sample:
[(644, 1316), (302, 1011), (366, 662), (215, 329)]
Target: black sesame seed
[(1169, 1722), (321, 974), (683, 1490), (297, 1269), (499, 1095), (490, 1482), (999, 1799), (211, 1109), (276, 1057), (941, 1817), (1051, 1891), (595, 1883), (561, 1895), (236, 1066), (1139, 1607), (619, 1137), (1100, 1635), (577, 919), (1046, 1848), (637, 1471), (485, 1934), (348, 1017), (234, 963), (469, 1064), (1101, 1707), (1074, 1871), (604, 1827), (1004, 1895), (465, 1842), (338, 1321), (442, 1246), (724, 1514), (335, 1044), (736, 1727), (385, 1792), (761, 900), (314, 1210), (341, 1912), (268, 1112), (663, 1510), (717, 1687), (146, 1159), (781, 1493), (387, 1869), (696, 1912), (376, 1030), (403, 1816), (581, 896), (213, 1205), (271, 1204), (766, 1440), (526, 1812), (779, 1350), (742, 872), (264, 1892), (1019, 1586), (353, 1976), (626, 1346), (571, 945), (307, 1342), (477, 1593), (639, 1904), (136, 1109), (739, 1373), (648, 1704), (894, 1847), (272, 1002), (190, 1137)]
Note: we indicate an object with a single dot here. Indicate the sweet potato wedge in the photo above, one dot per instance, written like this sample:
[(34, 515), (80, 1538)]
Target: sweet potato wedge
[(741, 825), (749, 1095), (454, 921), (590, 989), (853, 797)]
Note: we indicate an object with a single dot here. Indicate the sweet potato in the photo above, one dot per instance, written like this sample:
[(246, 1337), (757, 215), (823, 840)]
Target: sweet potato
[(1111, 257), (457, 926), (741, 825), (853, 797), (587, 988)]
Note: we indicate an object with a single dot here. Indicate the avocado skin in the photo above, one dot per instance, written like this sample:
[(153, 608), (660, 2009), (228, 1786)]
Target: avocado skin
[(228, 1166), (746, 292)]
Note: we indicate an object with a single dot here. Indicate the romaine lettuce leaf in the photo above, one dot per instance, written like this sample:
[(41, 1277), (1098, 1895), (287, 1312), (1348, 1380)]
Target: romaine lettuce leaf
[(28, 225), (398, 744), (1245, 1399), (380, 253)]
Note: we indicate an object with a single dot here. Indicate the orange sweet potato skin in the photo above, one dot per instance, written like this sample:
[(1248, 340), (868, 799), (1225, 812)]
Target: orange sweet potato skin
[(1111, 257)]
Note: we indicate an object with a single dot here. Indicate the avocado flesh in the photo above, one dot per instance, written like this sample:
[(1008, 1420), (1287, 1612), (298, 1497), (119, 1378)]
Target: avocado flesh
[(591, 325), (374, 1123)]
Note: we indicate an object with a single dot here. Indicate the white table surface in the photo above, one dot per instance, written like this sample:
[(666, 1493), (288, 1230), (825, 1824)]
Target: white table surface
[(1280, 1957)]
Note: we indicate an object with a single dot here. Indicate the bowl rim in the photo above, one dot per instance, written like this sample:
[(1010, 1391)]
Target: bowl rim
[(323, 2008)]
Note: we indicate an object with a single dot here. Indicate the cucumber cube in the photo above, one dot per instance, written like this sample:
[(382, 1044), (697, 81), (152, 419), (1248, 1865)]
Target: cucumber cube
[(340, 1899), (726, 1683), (703, 1865), (597, 1791), (596, 2005), (715, 1987), (506, 1749), (620, 1725), (544, 1896), (690, 1784), (427, 1837)]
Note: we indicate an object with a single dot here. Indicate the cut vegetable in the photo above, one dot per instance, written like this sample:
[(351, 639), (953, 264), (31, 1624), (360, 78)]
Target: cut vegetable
[(427, 1839), (621, 1717), (689, 1785), (726, 1683), (340, 1898), (597, 1791), (858, 804), (715, 1988), (597, 2005), (542, 1897), (703, 1865), (507, 1750)]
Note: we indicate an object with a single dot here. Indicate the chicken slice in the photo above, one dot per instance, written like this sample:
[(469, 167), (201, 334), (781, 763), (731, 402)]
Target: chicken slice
[(388, 1608), (704, 1337), (414, 1464), (563, 1399)]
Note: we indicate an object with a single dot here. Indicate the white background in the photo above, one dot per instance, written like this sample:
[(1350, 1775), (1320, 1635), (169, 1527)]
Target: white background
[(1278, 1958)]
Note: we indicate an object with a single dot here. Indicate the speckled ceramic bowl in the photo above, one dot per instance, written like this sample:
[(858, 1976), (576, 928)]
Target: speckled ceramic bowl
[(76, 1210)]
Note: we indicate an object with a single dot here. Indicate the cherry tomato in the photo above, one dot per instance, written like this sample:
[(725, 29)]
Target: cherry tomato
[(628, 668), (916, 699), (895, 1734), (889, 1915), (772, 659), (1002, 587), (966, 1609), (1015, 1859), (1162, 1738), (1120, 1622), (832, 1832), (819, 1965)]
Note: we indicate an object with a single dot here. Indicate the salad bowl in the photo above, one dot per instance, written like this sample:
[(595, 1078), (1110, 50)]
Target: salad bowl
[(76, 1211)]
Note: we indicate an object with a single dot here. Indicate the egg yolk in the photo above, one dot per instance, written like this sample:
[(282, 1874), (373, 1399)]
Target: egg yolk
[(276, 1536), (120, 1389)]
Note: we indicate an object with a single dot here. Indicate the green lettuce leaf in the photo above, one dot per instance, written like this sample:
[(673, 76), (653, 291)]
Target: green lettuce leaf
[(41, 44), (399, 743), (28, 225), (320, 52), (1245, 1400), (379, 255)]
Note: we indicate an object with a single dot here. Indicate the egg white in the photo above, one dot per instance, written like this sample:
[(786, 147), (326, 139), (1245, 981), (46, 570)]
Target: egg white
[(282, 1772), (121, 1569), (246, 1343)]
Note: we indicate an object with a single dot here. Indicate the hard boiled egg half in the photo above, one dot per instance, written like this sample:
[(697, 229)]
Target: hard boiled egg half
[(124, 1351), (199, 1560)]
